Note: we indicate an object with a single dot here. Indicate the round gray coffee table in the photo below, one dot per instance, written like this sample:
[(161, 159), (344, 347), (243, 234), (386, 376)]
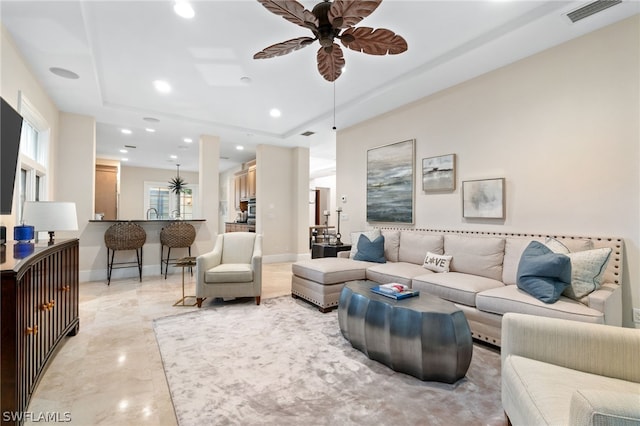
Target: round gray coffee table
[(424, 336)]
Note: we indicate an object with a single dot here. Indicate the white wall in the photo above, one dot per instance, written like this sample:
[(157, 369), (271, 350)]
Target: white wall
[(282, 185), (561, 126), (17, 77), (132, 179)]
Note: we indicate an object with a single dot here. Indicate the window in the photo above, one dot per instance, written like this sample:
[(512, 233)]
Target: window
[(157, 196), (34, 147)]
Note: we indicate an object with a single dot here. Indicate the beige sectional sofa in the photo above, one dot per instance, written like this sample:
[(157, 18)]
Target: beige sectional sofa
[(481, 281), (558, 372)]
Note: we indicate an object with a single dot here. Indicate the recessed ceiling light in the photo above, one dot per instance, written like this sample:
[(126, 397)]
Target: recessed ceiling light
[(275, 113), (188, 140), (150, 130), (64, 73), (184, 9), (124, 151), (239, 147), (174, 157), (162, 86), (126, 131), (125, 159)]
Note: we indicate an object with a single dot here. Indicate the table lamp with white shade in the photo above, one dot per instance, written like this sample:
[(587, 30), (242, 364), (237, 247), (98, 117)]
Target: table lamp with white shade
[(50, 216)]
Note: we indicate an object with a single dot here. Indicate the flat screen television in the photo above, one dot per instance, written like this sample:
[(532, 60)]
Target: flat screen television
[(10, 128)]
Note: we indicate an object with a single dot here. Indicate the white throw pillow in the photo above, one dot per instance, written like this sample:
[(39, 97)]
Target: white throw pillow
[(587, 269), (437, 262)]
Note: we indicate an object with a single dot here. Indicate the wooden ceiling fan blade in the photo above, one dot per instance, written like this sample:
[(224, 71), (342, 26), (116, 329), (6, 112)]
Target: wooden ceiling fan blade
[(292, 11), (330, 62), (283, 48), (378, 41), (350, 11)]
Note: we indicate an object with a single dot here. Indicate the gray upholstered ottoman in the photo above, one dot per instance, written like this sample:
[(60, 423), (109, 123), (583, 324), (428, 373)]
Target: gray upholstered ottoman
[(320, 281)]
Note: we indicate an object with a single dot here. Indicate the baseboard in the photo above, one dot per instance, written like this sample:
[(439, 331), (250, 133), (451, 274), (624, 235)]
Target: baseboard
[(279, 258)]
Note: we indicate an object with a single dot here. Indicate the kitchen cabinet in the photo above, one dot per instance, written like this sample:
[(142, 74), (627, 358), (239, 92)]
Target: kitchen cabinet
[(244, 183), (251, 182)]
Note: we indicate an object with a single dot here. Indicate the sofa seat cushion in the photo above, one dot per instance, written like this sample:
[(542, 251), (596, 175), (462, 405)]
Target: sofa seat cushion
[(394, 272), (229, 273), (454, 286), (540, 393), (512, 299), (330, 270)]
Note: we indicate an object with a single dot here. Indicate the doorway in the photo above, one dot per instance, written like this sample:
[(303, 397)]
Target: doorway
[(106, 199)]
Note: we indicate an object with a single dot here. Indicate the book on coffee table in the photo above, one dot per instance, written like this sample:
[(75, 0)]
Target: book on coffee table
[(395, 291)]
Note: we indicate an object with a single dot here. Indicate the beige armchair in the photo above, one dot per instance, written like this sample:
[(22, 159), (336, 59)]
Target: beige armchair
[(562, 372), (232, 269)]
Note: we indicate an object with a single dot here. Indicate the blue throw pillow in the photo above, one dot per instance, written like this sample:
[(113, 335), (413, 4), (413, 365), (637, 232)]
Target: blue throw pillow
[(371, 251), (543, 273)]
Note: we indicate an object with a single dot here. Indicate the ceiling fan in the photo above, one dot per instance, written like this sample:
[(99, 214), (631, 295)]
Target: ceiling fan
[(327, 21)]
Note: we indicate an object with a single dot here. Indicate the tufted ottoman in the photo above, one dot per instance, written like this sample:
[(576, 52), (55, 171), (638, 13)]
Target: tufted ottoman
[(320, 281)]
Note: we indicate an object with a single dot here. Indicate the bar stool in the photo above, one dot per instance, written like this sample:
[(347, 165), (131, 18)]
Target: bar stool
[(124, 236), (175, 235)]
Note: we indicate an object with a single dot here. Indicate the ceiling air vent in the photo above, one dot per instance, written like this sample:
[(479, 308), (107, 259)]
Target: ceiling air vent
[(308, 133), (130, 146), (591, 9)]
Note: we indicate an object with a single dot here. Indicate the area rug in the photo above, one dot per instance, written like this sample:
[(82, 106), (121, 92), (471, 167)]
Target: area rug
[(285, 363)]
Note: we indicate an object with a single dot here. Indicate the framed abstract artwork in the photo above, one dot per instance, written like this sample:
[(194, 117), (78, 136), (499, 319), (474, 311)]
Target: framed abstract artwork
[(390, 182), (483, 198), (439, 173)]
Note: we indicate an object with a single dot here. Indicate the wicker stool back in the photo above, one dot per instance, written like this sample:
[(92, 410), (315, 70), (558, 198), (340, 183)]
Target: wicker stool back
[(175, 235), (124, 236)]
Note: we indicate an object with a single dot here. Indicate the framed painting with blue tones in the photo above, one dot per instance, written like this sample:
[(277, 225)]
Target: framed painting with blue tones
[(439, 173), (390, 182)]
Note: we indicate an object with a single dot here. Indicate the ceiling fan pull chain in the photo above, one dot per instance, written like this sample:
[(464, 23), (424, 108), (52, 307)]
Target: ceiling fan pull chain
[(334, 105)]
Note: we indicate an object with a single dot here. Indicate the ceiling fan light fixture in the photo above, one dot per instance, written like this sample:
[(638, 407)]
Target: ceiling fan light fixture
[(330, 22)]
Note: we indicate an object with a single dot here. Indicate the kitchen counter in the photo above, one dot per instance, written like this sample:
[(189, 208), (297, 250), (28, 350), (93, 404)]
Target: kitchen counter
[(147, 220), (239, 227)]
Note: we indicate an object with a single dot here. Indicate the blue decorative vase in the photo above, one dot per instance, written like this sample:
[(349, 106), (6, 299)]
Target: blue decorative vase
[(23, 233)]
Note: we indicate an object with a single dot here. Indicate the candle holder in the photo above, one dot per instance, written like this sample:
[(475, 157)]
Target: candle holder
[(325, 232), (338, 236)]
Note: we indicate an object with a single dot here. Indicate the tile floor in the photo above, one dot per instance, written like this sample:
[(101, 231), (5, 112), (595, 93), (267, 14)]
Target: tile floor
[(111, 372)]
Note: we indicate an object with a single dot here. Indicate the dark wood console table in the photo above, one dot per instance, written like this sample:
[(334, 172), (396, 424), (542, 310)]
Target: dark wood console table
[(38, 308), (327, 250)]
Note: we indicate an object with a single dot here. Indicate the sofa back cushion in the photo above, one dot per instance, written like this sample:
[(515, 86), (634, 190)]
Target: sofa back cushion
[(414, 246), (481, 256), (391, 244), (513, 249)]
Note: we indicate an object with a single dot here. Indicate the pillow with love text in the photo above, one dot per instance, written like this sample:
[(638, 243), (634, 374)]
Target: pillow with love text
[(437, 262)]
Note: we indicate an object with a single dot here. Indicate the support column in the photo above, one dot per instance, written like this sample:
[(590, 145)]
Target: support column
[(209, 176)]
